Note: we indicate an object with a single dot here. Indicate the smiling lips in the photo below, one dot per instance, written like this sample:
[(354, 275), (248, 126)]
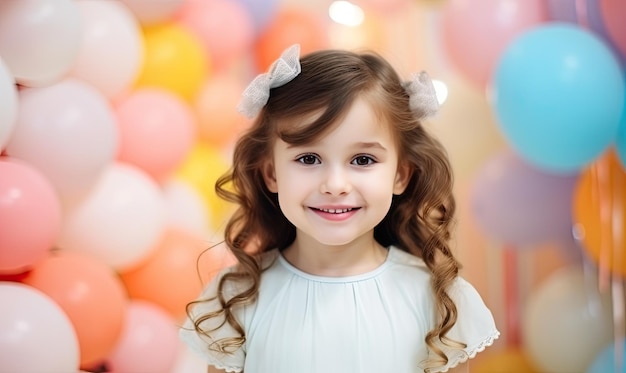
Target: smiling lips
[(335, 214)]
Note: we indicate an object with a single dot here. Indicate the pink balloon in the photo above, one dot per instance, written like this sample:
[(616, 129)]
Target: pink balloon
[(39, 39), (476, 32), (613, 12), (68, 131), (149, 341), (36, 334), (157, 131), (120, 221), (30, 216), (212, 20), (111, 52), (384, 6)]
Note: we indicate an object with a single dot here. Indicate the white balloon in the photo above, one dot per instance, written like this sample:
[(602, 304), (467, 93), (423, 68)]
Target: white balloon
[(185, 208), (567, 322), (39, 39), (111, 52), (8, 97), (35, 333), (120, 222), (68, 131)]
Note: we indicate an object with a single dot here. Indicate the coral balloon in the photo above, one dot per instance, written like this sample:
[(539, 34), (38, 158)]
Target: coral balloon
[(177, 257), (30, 216), (201, 169), (290, 26), (148, 343), (153, 12), (558, 95), (174, 60), (186, 209), (121, 219), (91, 295), (157, 131), (8, 97), (211, 20), (111, 52), (475, 33), (37, 335), (219, 123), (68, 131), (613, 14), (599, 204), (566, 322), (39, 39)]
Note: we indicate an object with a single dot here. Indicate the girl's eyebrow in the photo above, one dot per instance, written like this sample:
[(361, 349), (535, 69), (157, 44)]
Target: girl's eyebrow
[(359, 145), (374, 144)]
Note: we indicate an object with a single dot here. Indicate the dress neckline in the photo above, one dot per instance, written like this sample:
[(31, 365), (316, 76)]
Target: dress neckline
[(339, 279)]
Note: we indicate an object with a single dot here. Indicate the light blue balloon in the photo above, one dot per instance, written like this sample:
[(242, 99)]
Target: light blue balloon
[(558, 93), (606, 362)]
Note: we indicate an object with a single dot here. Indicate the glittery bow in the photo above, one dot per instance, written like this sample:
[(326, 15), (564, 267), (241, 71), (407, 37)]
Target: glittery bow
[(280, 73)]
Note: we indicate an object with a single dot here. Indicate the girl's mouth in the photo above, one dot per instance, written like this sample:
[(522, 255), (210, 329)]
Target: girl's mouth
[(336, 211)]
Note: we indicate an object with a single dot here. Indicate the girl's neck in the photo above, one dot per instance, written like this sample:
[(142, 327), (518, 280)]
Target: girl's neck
[(355, 258)]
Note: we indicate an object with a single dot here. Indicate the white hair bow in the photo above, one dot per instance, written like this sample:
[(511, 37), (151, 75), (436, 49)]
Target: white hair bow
[(422, 96), (282, 71)]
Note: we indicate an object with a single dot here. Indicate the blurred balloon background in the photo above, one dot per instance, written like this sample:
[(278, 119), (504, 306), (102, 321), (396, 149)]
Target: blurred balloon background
[(119, 115)]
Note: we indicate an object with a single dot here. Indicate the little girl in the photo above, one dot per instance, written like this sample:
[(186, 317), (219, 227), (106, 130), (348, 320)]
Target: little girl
[(341, 234)]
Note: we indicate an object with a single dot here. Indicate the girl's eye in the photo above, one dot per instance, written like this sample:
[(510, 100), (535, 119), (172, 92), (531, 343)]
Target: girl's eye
[(308, 159), (363, 160)]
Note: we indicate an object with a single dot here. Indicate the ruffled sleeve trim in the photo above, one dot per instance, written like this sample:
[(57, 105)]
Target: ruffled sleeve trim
[(466, 355)]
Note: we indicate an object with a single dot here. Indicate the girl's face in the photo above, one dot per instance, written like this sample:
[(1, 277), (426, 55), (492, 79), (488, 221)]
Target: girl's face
[(337, 189)]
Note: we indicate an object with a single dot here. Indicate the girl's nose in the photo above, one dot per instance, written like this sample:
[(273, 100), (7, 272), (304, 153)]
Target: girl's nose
[(336, 182)]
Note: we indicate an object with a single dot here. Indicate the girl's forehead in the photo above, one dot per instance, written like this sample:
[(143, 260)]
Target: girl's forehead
[(313, 123)]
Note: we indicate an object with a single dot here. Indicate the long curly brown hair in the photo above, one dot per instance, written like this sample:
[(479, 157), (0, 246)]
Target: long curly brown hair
[(419, 220)]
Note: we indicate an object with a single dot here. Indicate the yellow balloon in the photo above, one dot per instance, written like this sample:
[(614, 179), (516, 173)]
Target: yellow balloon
[(203, 166), (511, 360), (174, 60)]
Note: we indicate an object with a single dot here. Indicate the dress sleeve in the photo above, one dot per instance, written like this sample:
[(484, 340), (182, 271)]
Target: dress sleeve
[(200, 343), (475, 325)]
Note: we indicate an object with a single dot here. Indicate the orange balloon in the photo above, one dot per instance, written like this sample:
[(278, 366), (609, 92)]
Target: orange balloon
[(176, 271), (510, 360), (600, 197), (219, 123), (290, 26), (91, 295)]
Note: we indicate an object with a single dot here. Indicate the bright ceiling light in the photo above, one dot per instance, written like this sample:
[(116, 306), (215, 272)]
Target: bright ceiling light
[(346, 13)]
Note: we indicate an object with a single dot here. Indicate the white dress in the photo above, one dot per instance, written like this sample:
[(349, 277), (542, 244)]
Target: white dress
[(373, 322)]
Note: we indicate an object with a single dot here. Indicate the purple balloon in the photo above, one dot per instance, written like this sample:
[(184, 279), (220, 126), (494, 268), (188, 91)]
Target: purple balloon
[(586, 14), (262, 12), (520, 205)]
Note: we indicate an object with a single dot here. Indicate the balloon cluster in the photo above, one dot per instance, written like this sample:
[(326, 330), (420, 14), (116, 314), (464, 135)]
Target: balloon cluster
[(117, 118), (553, 72)]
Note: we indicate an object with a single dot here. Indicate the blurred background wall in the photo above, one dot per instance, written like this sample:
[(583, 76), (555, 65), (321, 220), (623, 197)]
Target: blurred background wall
[(117, 116)]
